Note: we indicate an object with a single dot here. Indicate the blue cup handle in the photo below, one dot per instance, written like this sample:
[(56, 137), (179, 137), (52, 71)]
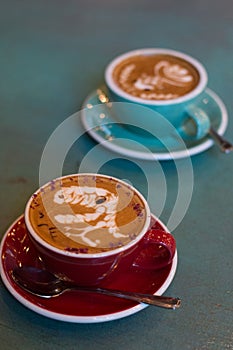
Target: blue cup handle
[(196, 125)]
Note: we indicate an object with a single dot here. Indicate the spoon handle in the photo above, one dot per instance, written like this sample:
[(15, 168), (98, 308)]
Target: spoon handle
[(225, 145), (44, 284), (156, 300)]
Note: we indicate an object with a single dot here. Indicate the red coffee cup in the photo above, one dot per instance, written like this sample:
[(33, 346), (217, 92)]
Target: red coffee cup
[(149, 248)]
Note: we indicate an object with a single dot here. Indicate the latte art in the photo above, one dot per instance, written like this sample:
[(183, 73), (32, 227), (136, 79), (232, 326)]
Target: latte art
[(104, 205), (87, 214), (164, 72), (156, 77)]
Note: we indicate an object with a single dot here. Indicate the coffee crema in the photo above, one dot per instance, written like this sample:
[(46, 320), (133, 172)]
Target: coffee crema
[(87, 214), (156, 76)]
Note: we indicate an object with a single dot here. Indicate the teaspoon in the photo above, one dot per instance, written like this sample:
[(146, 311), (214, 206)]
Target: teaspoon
[(224, 145), (46, 285)]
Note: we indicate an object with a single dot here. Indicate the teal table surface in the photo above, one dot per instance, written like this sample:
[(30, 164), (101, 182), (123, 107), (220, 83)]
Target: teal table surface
[(52, 55)]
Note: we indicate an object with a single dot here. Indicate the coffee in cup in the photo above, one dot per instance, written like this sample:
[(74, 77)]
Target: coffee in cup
[(156, 77), (87, 213), (168, 85), (86, 226)]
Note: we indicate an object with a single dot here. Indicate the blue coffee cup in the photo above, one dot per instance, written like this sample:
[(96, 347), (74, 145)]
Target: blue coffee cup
[(183, 111)]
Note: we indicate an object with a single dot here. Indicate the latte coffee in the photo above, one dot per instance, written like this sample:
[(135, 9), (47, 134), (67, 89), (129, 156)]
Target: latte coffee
[(155, 77), (87, 213)]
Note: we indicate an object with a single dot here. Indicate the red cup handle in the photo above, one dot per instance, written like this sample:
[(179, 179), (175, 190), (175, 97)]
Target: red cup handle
[(157, 250)]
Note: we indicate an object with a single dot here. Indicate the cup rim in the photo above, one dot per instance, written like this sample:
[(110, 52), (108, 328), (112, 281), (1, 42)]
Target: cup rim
[(67, 253), (147, 51)]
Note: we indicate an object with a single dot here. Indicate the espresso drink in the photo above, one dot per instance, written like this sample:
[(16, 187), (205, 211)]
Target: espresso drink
[(87, 214), (156, 76)]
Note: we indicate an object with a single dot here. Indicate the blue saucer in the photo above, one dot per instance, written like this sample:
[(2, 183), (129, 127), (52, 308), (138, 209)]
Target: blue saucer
[(100, 124)]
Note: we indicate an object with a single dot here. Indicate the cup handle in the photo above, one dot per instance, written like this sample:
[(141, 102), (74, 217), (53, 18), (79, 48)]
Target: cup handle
[(196, 125), (157, 251)]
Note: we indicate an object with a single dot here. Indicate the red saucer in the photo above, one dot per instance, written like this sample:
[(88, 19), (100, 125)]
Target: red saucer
[(16, 249)]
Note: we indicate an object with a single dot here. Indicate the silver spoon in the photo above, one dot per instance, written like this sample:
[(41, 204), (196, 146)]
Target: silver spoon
[(189, 128), (224, 145), (44, 284)]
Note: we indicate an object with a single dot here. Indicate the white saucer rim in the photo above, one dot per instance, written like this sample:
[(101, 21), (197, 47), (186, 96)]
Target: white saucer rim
[(79, 319), (203, 146)]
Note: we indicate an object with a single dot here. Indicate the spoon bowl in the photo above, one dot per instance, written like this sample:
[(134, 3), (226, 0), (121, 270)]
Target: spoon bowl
[(44, 284)]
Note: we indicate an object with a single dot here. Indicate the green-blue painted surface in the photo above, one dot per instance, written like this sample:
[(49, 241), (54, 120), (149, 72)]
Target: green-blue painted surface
[(52, 55)]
